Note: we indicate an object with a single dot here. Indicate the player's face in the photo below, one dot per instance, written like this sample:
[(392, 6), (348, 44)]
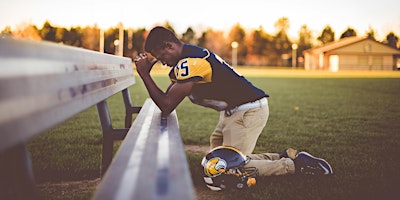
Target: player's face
[(167, 55)]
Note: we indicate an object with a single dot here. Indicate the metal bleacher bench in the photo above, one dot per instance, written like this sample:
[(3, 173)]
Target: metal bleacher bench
[(43, 84)]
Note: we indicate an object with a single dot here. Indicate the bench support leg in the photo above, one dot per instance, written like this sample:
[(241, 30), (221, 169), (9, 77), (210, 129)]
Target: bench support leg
[(17, 180), (108, 142), (109, 133), (129, 109)]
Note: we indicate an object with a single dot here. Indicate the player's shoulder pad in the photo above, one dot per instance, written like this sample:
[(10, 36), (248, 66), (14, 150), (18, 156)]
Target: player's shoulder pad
[(188, 68)]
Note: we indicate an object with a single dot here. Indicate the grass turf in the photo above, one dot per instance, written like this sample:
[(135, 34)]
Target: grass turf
[(350, 119)]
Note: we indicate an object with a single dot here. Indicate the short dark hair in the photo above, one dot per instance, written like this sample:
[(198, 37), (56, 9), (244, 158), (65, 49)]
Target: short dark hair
[(157, 38)]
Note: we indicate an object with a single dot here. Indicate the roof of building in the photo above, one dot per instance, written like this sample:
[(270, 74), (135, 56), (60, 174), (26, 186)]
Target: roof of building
[(340, 43)]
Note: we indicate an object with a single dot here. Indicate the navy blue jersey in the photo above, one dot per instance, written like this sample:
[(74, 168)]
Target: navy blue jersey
[(217, 86)]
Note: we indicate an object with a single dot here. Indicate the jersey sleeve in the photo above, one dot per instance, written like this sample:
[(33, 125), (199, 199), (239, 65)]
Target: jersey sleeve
[(193, 69)]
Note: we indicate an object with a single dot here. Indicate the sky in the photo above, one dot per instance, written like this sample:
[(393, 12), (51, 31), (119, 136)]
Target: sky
[(382, 15)]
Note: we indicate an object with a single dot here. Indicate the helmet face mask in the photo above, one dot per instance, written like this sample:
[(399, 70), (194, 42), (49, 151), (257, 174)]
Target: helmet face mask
[(224, 168)]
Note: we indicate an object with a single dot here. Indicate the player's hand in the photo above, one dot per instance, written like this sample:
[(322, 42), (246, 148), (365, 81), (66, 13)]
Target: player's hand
[(144, 64)]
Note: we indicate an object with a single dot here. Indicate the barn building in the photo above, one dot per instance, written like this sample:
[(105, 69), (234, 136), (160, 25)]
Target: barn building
[(352, 53)]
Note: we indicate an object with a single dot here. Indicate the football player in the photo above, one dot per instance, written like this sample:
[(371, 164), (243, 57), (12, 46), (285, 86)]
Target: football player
[(207, 80)]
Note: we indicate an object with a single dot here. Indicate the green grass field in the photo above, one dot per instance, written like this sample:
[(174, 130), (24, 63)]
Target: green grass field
[(349, 118)]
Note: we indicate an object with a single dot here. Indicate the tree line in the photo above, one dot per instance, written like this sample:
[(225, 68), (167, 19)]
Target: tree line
[(256, 47)]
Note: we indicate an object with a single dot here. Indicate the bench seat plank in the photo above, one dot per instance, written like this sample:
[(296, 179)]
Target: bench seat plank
[(43, 84), (150, 163)]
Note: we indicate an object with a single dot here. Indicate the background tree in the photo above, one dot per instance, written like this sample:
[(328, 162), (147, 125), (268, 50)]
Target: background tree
[(261, 48), (391, 40), (282, 24), (216, 42), (91, 37), (238, 34), (70, 37), (48, 32), (349, 32), (281, 41), (255, 48), (327, 35), (74, 37), (6, 31), (60, 35), (138, 39), (169, 26), (189, 36), (305, 42), (26, 31), (256, 45), (110, 35), (371, 33), (202, 40)]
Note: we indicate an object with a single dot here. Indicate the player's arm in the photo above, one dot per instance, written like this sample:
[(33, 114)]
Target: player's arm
[(169, 87), (166, 101), (169, 100)]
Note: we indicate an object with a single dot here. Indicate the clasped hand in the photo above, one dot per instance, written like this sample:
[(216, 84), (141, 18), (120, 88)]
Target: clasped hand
[(144, 64)]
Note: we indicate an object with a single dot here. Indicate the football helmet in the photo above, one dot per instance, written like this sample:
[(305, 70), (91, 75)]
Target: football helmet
[(224, 168)]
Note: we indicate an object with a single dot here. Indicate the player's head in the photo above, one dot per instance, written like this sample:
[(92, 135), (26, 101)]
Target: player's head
[(224, 168), (163, 44)]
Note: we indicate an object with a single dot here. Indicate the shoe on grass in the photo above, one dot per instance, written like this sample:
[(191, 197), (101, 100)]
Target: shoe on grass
[(307, 164)]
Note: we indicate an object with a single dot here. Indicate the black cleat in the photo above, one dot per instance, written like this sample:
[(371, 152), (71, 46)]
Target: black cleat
[(309, 165)]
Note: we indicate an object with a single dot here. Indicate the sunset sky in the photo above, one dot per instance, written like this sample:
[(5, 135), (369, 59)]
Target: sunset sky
[(382, 15)]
